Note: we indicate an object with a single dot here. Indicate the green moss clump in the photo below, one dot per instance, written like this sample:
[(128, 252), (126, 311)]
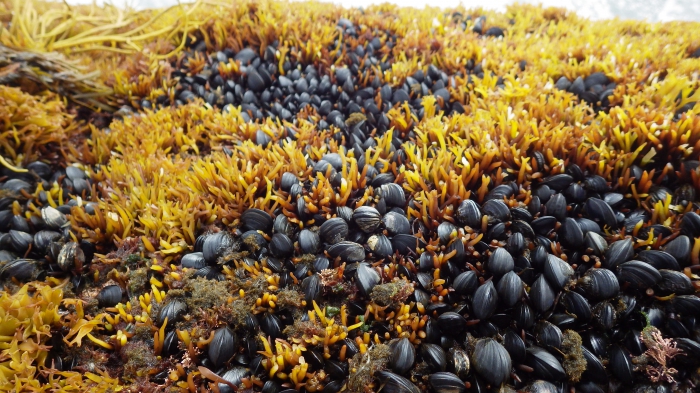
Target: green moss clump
[(138, 281), (364, 365), (392, 294), (206, 294), (574, 362), (139, 360)]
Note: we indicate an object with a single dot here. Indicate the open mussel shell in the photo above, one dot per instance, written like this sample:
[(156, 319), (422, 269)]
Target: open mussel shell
[(544, 364), (393, 383), (109, 296), (403, 355), (446, 382), (491, 361)]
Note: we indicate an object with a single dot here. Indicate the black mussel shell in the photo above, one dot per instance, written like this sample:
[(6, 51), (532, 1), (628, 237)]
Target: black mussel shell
[(556, 207), (223, 346), (465, 283), (366, 279), (271, 325), (559, 181), (687, 305), (458, 362), (619, 252), (675, 282), (235, 377), (500, 262), (311, 286), (334, 230), (543, 225), (380, 245), (194, 260), (256, 220), (217, 245), (71, 257), (452, 323), (109, 296), (515, 346), (638, 274), (288, 179), (595, 243), (570, 234), (542, 295), (446, 382), (253, 240), (20, 269), (347, 251), (491, 361), (446, 231), (173, 311), (282, 225), (577, 305), (679, 248), (393, 194), (541, 386), (557, 272), (367, 218), (396, 223), (659, 259), (281, 245), (20, 241), (403, 355), (690, 224), (434, 356), (595, 371), (485, 301), (405, 244), (53, 218), (309, 242), (392, 383), (548, 335), (601, 212), (496, 210), (599, 284), (620, 364), (469, 213), (544, 364), (510, 289)]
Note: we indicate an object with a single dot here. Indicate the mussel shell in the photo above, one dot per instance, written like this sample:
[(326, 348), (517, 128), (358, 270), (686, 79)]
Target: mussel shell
[(465, 283), (541, 386), (599, 284), (446, 382), (366, 279), (20, 241), (217, 245), (256, 220), (282, 225), (510, 289), (680, 249), (577, 305), (271, 325), (548, 335), (542, 295), (234, 376), (309, 242), (174, 310), (620, 364), (194, 260), (393, 383), (515, 346), (595, 371), (403, 355), (556, 207), (109, 296), (659, 259), (544, 364), (393, 194), (43, 239), (446, 231), (491, 361), (452, 323), (687, 304), (334, 230), (380, 245), (619, 252), (281, 245), (434, 356), (675, 282), (543, 225), (469, 213), (367, 218), (557, 272), (223, 346), (638, 274), (458, 362), (595, 243), (601, 212), (485, 301), (496, 210), (347, 251), (71, 257), (396, 223), (405, 244), (500, 262), (311, 286), (21, 270), (690, 224), (53, 218)]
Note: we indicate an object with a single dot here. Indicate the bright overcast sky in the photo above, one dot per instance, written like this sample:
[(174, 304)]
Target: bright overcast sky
[(651, 10)]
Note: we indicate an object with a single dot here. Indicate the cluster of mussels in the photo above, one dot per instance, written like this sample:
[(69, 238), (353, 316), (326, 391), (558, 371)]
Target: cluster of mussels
[(558, 286)]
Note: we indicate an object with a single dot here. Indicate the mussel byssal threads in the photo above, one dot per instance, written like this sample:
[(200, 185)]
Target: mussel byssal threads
[(274, 197)]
